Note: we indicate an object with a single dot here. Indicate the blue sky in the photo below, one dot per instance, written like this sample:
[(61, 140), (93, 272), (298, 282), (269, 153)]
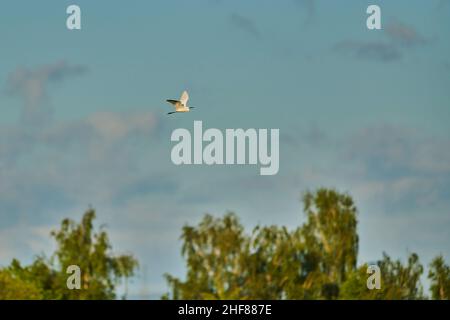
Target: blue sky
[(83, 119)]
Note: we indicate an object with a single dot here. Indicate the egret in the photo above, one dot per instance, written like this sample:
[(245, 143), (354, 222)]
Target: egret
[(180, 105)]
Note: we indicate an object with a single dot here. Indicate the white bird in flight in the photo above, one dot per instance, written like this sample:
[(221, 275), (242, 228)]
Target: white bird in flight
[(180, 105)]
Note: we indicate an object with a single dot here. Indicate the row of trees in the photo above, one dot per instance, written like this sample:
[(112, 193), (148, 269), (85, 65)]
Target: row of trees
[(317, 260), (77, 244)]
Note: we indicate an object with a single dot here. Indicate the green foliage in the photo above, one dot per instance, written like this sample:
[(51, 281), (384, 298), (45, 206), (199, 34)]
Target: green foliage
[(214, 252), (309, 262), (225, 263), (439, 275), (398, 281), (317, 260), (331, 239), (401, 282), (77, 244), (355, 287), (14, 288)]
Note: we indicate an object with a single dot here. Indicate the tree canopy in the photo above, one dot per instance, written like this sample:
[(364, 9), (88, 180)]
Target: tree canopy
[(77, 244), (317, 260), (440, 277)]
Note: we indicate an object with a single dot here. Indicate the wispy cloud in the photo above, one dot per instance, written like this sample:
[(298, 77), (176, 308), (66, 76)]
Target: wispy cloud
[(404, 35), (31, 86), (313, 136), (400, 150), (24, 240), (398, 39), (404, 167), (68, 162), (378, 51), (245, 24)]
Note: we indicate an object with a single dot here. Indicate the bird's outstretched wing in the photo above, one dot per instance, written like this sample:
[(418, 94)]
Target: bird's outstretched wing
[(184, 98), (174, 102)]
